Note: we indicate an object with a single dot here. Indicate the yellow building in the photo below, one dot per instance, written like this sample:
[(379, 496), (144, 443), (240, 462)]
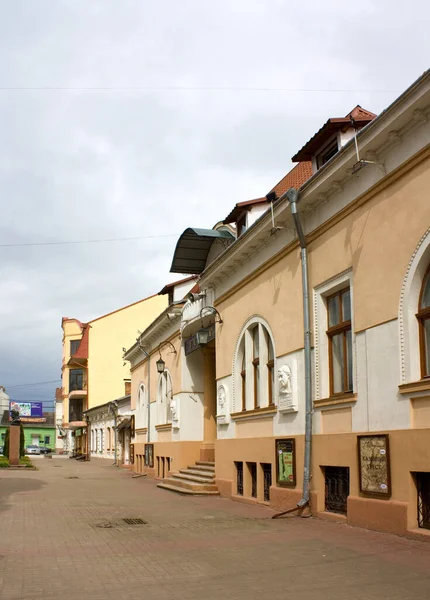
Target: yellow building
[(302, 362), (93, 369)]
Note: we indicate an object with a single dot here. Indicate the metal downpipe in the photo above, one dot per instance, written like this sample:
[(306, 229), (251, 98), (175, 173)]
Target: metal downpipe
[(293, 198)]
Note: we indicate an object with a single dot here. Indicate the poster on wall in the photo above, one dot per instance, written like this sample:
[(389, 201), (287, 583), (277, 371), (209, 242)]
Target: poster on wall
[(374, 465), (286, 462), (149, 455)]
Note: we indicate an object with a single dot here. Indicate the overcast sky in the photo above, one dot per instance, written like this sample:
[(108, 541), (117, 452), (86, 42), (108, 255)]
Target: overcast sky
[(93, 164)]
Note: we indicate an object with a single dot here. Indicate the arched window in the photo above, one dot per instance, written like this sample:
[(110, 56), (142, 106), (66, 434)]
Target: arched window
[(92, 440), (255, 364), (164, 398), (424, 322), (108, 446), (101, 440)]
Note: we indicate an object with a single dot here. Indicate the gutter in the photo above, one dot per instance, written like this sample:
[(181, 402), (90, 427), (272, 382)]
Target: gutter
[(293, 198)]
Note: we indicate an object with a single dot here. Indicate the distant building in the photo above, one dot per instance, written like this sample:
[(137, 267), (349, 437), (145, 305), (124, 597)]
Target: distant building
[(38, 430), (93, 370)]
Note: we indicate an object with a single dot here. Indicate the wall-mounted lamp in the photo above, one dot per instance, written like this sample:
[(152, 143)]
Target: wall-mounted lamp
[(214, 311), (160, 365), (202, 337), (160, 362)]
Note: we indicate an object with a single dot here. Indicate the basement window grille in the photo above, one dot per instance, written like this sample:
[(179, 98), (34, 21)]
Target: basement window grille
[(253, 472), (239, 478), (267, 475), (423, 489), (336, 489)]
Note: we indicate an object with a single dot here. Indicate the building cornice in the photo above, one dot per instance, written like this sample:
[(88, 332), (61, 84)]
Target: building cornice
[(408, 114)]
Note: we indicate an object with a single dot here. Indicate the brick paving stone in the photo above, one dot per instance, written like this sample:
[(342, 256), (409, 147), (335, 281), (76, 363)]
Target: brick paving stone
[(62, 536)]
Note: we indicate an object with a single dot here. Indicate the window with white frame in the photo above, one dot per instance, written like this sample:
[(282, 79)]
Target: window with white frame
[(141, 397), (254, 368), (424, 325), (334, 337), (164, 398)]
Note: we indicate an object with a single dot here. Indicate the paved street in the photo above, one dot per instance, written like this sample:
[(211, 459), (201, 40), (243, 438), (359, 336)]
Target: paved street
[(63, 536)]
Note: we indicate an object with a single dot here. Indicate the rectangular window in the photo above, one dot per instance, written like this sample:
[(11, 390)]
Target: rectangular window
[(336, 489), (327, 153), (76, 380), (252, 468), (239, 478), (267, 475), (423, 496), (340, 342), (74, 345)]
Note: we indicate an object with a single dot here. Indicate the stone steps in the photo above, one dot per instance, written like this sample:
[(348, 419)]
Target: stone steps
[(178, 490), (192, 477), (196, 480)]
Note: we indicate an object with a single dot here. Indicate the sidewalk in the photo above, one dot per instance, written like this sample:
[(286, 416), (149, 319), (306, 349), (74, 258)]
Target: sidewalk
[(63, 536)]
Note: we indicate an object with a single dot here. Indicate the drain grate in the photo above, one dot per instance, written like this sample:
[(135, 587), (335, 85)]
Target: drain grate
[(72, 477), (135, 521)]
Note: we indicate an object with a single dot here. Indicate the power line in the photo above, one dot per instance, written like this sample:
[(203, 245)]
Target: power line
[(97, 241), (12, 387), (178, 88)]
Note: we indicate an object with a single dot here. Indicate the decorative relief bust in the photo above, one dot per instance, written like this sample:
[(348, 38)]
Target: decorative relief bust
[(286, 401), (222, 399), (174, 410)]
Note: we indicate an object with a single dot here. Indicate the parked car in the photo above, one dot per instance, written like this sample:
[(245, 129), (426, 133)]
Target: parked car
[(1, 450), (45, 450), (32, 449)]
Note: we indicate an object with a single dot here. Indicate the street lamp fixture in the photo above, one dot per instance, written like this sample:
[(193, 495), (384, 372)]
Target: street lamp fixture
[(202, 337), (160, 365)]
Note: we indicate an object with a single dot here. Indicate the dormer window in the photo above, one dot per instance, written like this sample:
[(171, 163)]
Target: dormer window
[(327, 153), (241, 225)]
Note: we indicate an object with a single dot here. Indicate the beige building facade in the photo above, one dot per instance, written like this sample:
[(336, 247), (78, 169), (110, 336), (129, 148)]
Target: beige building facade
[(239, 370)]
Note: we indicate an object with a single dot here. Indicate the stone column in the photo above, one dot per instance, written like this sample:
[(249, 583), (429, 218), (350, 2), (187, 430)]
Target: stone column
[(14, 438)]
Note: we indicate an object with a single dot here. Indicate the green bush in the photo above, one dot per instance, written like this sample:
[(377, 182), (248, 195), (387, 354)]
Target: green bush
[(4, 462), (6, 444)]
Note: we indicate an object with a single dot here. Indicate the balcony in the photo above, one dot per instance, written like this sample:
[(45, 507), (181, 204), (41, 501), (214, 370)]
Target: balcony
[(76, 413), (77, 383)]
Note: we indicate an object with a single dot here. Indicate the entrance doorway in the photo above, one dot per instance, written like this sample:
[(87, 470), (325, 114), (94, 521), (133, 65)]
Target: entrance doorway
[(207, 451)]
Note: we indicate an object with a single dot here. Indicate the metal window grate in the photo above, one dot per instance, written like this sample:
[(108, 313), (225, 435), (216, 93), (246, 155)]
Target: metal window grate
[(239, 478), (423, 489), (267, 475), (253, 472), (135, 521), (336, 489)]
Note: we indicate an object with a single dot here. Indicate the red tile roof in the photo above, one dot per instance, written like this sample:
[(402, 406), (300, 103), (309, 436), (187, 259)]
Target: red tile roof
[(169, 286), (82, 351), (358, 117), (295, 178)]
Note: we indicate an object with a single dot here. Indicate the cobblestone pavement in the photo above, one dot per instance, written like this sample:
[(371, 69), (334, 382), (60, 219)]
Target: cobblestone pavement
[(63, 536)]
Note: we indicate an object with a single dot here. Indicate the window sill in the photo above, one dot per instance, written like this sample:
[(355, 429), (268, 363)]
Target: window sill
[(339, 399), (423, 385), (164, 427), (142, 430), (267, 411)]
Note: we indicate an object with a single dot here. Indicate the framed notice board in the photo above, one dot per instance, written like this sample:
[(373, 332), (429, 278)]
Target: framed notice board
[(374, 465), (286, 462)]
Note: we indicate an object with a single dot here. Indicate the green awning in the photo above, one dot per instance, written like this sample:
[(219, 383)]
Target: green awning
[(193, 248)]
